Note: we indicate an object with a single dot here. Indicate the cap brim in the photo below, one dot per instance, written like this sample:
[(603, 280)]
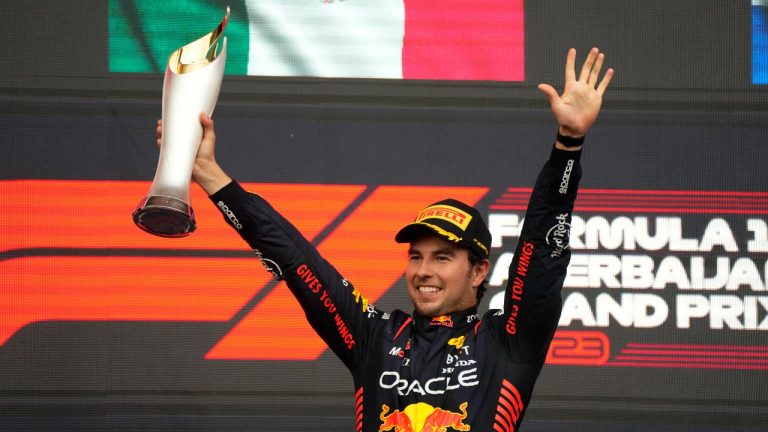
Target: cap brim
[(413, 231)]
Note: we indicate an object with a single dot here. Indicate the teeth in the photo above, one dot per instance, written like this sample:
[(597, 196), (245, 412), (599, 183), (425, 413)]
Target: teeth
[(428, 289)]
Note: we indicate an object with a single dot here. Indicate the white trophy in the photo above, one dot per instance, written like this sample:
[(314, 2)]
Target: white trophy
[(192, 82)]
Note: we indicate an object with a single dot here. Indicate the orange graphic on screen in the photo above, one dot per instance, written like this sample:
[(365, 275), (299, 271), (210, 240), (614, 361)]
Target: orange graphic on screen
[(71, 252)]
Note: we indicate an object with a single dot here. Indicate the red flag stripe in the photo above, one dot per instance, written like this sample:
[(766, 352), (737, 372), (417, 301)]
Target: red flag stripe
[(459, 40)]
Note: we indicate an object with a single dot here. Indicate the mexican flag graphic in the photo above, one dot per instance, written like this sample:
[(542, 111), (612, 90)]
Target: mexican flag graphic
[(393, 39)]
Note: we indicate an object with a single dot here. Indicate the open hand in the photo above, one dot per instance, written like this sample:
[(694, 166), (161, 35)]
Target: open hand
[(577, 108)]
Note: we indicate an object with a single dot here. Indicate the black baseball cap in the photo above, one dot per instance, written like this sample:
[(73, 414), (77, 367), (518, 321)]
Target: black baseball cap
[(451, 220)]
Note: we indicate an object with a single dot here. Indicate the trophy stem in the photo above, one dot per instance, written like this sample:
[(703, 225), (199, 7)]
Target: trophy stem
[(165, 216)]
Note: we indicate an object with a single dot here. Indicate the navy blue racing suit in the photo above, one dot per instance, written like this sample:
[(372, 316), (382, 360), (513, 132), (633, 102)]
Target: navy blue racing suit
[(414, 373)]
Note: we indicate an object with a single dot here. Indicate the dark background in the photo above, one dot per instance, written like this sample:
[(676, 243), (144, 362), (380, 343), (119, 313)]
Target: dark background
[(681, 113)]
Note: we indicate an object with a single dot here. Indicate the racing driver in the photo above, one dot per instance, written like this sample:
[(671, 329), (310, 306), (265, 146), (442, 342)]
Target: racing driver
[(443, 367)]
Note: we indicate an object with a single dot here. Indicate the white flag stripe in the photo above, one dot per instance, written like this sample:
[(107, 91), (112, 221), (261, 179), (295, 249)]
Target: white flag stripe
[(353, 38)]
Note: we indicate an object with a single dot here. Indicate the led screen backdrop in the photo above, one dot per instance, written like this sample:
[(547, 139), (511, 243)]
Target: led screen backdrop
[(104, 327)]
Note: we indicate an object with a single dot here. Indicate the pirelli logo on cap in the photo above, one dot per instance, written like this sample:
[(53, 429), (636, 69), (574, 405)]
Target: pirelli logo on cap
[(447, 213)]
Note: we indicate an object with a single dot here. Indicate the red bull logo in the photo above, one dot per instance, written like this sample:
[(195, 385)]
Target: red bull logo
[(443, 320), (422, 417)]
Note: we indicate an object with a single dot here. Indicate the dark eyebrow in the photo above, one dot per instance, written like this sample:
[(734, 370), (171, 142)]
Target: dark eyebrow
[(441, 251), (445, 251)]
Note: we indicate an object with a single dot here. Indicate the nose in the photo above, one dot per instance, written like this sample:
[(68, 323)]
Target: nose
[(424, 269)]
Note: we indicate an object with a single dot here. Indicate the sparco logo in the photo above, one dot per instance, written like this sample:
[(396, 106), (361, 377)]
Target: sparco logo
[(566, 177), (230, 215)]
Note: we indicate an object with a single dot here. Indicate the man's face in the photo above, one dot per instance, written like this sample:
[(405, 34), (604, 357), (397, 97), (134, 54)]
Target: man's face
[(440, 278)]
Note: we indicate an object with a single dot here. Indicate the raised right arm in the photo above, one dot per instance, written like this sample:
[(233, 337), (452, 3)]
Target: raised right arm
[(333, 307)]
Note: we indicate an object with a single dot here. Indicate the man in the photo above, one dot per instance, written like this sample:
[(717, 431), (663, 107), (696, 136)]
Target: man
[(444, 367)]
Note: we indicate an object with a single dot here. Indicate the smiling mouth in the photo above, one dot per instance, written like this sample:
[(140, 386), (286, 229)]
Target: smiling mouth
[(428, 289)]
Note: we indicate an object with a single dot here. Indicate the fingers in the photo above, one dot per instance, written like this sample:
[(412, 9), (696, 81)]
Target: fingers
[(594, 74), (549, 91), (586, 69), (604, 83), (159, 132), (206, 122), (570, 66), (208, 129), (590, 71)]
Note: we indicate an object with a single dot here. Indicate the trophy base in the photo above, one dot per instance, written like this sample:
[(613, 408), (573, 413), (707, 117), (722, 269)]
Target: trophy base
[(165, 216)]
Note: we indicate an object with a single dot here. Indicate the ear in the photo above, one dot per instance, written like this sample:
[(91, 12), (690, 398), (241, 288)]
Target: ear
[(479, 272)]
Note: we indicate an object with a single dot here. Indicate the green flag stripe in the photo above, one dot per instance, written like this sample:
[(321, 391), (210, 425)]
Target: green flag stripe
[(144, 33)]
